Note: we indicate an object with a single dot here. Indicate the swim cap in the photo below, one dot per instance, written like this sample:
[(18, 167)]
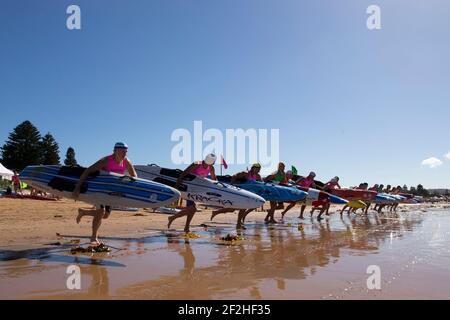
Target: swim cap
[(120, 145), (256, 165), (312, 173), (210, 159)]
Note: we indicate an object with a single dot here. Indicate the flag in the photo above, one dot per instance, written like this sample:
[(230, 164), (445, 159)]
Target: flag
[(294, 170), (225, 165)]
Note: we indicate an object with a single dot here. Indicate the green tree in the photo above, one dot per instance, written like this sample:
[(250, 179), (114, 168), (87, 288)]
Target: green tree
[(422, 191), (405, 188), (49, 150), (23, 147), (70, 157), (413, 190)]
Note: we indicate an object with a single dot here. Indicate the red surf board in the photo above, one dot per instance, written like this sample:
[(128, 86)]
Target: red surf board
[(355, 194)]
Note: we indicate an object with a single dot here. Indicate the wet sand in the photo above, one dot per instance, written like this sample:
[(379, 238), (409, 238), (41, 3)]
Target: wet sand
[(295, 259)]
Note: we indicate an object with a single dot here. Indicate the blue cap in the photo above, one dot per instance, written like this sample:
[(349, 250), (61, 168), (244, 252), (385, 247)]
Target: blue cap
[(120, 145)]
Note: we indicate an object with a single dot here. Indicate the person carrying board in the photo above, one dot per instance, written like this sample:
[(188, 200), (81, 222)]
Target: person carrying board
[(117, 162)]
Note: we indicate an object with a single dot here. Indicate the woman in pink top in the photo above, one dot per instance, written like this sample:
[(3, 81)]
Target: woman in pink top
[(203, 169), (328, 187), (332, 184), (116, 162), (252, 175), (307, 182)]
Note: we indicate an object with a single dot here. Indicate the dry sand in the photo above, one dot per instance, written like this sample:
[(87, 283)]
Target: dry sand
[(27, 223)]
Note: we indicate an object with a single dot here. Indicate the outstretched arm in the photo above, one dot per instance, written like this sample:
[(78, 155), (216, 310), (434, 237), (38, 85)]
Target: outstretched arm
[(95, 167), (130, 168), (213, 173), (237, 176), (184, 174)]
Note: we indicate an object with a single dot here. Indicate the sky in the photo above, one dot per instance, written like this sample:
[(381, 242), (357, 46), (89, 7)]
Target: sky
[(366, 105)]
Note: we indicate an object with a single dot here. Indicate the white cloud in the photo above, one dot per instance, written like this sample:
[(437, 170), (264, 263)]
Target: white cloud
[(432, 162), (447, 156)]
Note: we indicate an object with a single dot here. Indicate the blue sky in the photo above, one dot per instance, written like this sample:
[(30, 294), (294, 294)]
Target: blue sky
[(364, 105)]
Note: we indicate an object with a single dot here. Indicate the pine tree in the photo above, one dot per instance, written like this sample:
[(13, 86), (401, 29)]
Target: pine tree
[(23, 147), (70, 157), (419, 189), (49, 150)]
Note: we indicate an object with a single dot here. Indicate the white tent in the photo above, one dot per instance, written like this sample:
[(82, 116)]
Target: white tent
[(5, 173)]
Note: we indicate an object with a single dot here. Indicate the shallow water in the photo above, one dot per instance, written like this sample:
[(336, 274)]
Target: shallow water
[(311, 260)]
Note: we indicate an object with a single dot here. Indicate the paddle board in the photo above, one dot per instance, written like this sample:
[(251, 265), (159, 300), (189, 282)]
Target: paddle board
[(383, 198), (318, 195), (125, 209), (356, 204), (202, 190), (355, 194), (168, 210), (100, 187), (267, 190)]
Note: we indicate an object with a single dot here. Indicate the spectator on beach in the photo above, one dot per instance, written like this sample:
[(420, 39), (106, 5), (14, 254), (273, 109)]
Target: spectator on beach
[(16, 183)]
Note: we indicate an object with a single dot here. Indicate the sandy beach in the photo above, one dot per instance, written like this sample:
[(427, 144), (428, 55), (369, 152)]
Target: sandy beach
[(291, 260)]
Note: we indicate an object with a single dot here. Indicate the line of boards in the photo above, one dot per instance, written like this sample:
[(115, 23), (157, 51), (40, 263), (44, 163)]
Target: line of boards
[(155, 188)]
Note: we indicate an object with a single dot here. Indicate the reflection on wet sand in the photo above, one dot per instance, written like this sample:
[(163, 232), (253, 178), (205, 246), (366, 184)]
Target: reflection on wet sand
[(271, 258), (277, 253)]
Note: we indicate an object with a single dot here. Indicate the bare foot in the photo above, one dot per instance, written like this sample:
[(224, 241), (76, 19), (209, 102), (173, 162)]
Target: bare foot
[(80, 215), (213, 215), (240, 227), (95, 242), (171, 218), (186, 230)]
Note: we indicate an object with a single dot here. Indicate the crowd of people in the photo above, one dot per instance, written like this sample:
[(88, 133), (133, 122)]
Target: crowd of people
[(118, 162)]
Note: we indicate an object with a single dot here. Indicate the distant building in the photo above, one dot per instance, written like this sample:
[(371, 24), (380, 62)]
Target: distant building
[(441, 192)]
